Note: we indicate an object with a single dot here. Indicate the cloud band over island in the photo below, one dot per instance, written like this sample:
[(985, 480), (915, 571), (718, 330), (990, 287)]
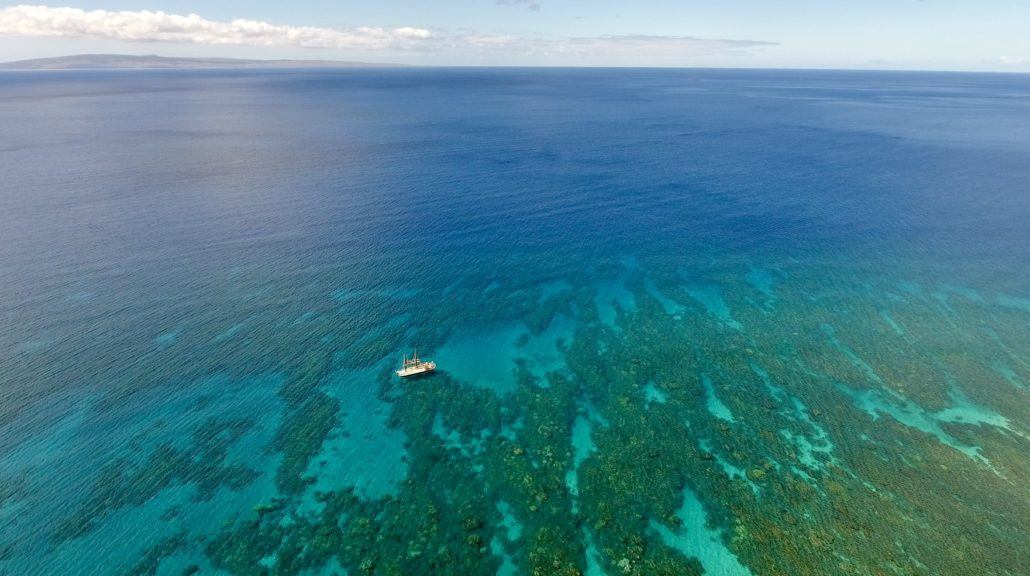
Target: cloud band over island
[(147, 26), (160, 27)]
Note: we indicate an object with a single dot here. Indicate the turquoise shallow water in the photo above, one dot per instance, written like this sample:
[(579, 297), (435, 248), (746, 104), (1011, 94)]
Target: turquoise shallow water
[(687, 321)]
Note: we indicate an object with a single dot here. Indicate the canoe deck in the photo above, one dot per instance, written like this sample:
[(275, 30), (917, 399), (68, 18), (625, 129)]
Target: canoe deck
[(417, 369)]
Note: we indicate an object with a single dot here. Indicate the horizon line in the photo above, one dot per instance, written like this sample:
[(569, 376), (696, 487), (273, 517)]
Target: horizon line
[(358, 66)]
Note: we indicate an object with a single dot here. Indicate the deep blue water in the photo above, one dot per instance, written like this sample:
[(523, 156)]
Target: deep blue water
[(174, 246)]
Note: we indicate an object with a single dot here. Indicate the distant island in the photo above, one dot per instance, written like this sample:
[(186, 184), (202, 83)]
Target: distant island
[(125, 61)]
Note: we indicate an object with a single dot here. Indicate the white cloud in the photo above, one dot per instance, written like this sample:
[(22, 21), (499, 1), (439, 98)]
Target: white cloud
[(614, 49), (1007, 60), (453, 46), (147, 26), (685, 45)]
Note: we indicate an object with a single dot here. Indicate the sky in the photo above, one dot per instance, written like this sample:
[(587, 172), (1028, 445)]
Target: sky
[(979, 35)]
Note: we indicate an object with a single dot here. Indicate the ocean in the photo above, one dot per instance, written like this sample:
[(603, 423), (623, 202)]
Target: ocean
[(686, 321)]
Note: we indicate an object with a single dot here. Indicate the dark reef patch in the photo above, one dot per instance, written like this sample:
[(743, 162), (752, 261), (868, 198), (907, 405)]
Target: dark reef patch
[(794, 475), (123, 482)]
